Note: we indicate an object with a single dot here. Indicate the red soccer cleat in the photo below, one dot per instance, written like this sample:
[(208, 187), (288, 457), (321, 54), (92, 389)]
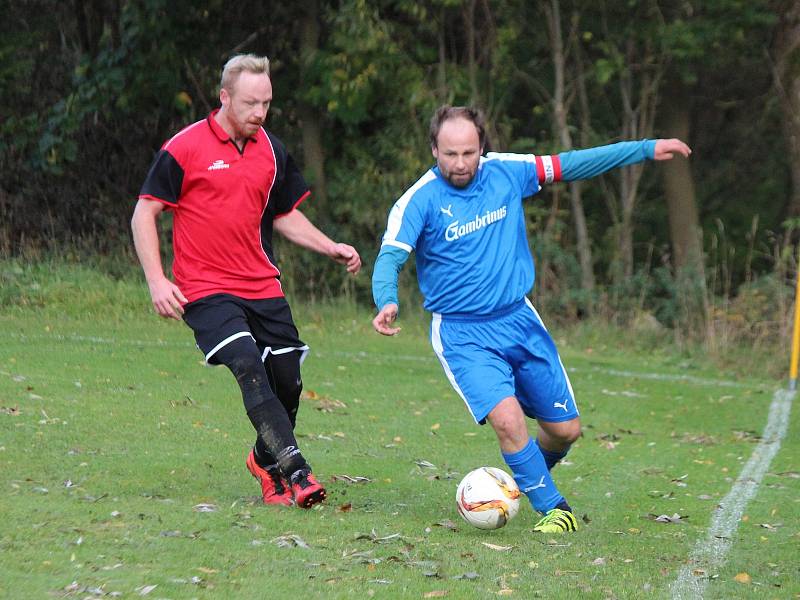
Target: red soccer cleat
[(307, 490), (273, 488)]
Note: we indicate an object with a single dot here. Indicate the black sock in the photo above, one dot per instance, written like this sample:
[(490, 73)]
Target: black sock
[(264, 458), (564, 506), (275, 432)]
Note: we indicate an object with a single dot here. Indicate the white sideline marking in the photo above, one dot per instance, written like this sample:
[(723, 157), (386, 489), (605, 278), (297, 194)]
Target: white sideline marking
[(710, 553), (661, 376), (423, 358)]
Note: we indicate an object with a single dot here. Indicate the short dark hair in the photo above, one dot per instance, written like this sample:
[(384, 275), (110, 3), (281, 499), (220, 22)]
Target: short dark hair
[(447, 112)]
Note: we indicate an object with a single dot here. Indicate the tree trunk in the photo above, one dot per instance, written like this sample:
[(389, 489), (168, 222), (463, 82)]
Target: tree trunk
[(638, 100), (472, 64), (560, 111), (684, 222), (310, 118)]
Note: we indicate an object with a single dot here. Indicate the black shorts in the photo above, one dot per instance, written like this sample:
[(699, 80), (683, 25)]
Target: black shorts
[(219, 319)]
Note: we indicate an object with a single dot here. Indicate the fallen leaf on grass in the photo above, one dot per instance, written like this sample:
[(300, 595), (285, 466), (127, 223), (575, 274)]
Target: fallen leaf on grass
[(679, 481), (146, 589), (435, 594), (746, 436), (468, 576), (599, 562), (345, 507), (447, 524), (675, 518), (351, 479), (205, 508), (700, 439), (290, 541), (207, 571), (660, 494), (424, 464), (496, 547), (790, 474), (742, 578), (373, 536), (10, 410), (323, 403)]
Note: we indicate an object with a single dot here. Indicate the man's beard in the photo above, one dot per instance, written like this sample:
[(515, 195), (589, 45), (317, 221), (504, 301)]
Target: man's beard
[(460, 183)]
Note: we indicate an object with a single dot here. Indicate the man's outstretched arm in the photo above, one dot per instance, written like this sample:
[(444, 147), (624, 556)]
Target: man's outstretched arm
[(584, 164)]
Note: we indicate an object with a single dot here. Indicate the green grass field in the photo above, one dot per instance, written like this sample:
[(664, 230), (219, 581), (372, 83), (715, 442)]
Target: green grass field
[(122, 469)]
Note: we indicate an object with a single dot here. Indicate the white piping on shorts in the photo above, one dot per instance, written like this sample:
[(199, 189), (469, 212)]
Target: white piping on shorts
[(268, 350), (303, 349), (436, 342), (566, 377), (224, 343)]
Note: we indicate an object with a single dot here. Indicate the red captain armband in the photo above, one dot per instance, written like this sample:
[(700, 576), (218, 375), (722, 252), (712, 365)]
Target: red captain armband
[(548, 168)]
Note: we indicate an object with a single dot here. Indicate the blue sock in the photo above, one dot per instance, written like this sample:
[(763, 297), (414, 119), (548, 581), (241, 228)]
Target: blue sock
[(551, 458), (533, 477)]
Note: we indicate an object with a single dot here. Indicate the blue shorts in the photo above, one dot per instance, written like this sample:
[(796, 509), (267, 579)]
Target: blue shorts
[(505, 354)]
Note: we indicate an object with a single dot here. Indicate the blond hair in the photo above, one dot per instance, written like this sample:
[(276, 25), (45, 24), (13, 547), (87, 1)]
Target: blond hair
[(240, 63)]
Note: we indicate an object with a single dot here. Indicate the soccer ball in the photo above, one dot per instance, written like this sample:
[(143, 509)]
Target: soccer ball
[(487, 498)]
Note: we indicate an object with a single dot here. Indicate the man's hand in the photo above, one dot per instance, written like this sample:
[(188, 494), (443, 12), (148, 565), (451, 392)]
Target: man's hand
[(666, 149), (384, 319), (346, 255), (168, 300)]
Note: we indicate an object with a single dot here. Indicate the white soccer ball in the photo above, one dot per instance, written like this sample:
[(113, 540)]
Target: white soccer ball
[(487, 498)]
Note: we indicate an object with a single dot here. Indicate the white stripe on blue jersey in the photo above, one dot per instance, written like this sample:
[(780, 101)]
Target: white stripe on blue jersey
[(396, 214)]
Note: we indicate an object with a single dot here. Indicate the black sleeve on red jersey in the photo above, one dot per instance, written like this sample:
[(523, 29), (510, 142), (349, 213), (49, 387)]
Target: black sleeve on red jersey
[(289, 187), (164, 179)]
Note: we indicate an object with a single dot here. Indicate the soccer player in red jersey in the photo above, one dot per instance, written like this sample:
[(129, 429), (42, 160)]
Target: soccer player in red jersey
[(230, 183)]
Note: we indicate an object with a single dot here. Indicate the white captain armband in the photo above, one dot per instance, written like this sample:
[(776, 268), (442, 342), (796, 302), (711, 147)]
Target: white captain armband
[(548, 168)]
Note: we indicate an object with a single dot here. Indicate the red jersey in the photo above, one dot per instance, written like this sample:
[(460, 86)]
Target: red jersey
[(224, 203)]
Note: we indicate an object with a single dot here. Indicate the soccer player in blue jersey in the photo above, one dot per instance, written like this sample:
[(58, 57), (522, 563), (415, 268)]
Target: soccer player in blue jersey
[(465, 221)]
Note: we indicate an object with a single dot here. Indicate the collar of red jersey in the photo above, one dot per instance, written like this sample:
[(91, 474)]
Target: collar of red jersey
[(221, 134)]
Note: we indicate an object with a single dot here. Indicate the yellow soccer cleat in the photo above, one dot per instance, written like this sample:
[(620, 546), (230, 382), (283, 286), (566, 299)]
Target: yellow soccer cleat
[(557, 521)]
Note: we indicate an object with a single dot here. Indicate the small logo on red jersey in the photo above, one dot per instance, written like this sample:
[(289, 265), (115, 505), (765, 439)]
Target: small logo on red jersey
[(218, 164)]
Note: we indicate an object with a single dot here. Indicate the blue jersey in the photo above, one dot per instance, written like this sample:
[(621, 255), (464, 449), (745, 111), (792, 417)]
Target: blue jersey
[(471, 245), (471, 248)]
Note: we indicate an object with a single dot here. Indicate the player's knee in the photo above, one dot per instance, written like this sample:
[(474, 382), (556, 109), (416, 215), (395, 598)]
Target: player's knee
[(511, 432), (243, 359), (570, 432), (247, 369), (285, 371)]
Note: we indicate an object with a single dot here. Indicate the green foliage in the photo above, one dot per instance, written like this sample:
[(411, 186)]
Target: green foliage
[(86, 98)]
